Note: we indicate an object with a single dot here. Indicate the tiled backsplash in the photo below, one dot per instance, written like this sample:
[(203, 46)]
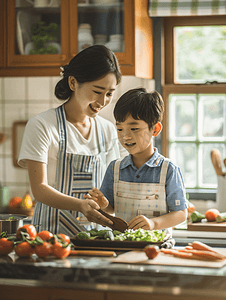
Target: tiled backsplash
[(23, 97)]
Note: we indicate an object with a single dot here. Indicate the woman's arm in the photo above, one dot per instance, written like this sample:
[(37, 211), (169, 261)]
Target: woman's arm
[(46, 194), (168, 220)]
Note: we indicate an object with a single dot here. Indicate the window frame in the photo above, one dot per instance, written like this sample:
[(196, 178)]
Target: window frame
[(168, 72)]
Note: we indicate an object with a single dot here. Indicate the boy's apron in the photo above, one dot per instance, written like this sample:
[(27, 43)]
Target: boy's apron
[(75, 176), (132, 199)]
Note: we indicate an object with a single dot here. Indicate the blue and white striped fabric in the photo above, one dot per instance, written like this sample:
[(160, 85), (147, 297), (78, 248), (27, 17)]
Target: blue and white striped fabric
[(168, 8), (75, 175)]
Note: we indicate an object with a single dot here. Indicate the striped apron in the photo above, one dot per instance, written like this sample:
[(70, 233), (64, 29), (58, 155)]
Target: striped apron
[(75, 175), (132, 199)]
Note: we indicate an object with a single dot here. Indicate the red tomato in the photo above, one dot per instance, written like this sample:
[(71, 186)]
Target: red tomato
[(43, 250), (211, 214), (6, 246), (151, 251), (24, 249), (45, 235), (29, 229), (59, 251), (65, 237)]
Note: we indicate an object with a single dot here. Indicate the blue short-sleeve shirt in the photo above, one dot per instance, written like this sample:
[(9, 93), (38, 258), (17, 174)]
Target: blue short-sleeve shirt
[(148, 173)]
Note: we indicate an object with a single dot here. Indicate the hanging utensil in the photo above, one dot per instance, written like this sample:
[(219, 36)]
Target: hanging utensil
[(2, 137), (217, 161)]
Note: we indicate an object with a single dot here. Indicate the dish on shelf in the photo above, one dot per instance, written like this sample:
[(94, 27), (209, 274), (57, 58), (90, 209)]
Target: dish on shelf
[(23, 30)]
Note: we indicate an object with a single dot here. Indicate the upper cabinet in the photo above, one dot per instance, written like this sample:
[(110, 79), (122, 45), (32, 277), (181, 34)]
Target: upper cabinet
[(39, 36)]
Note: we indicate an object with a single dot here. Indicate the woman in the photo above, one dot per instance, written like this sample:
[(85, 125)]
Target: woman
[(66, 150)]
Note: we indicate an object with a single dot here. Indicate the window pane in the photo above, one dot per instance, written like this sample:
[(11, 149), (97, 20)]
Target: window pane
[(182, 117), (211, 117), (184, 155), (207, 174), (200, 54)]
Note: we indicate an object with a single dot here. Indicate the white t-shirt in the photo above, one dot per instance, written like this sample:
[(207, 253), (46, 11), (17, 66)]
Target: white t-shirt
[(41, 141)]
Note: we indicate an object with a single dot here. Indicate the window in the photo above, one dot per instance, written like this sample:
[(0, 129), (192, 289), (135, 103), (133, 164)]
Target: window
[(194, 91)]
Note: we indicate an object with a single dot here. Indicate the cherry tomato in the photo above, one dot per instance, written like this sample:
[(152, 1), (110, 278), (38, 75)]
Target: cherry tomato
[(29, 229), (60, 251), (45, 235), (65, 237), (151, 251), (24, 249), (43, 250), (6, 246)]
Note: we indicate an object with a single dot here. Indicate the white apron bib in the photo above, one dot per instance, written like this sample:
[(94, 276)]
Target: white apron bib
[(75, 176), (132, 199)]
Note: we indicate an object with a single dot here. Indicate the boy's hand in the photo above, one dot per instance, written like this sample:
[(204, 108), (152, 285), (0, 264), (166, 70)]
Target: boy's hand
[(141, 222), (98, 197)]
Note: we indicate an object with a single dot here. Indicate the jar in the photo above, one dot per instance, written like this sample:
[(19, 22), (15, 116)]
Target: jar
[(85, 38), (100, 39), (115, 42)]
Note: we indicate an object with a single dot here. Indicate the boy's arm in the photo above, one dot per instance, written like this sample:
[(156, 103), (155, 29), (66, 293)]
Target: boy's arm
[(168, 220)]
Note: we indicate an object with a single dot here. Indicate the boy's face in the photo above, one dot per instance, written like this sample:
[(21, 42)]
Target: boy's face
[(135, 135)]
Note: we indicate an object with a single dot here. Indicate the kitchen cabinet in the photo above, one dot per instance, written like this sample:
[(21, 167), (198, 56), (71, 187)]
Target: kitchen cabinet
[(127, 21)]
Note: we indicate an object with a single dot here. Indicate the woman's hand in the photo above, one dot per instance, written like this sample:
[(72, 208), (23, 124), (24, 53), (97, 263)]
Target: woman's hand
[(90, 208), (98, 197), (141, 222)]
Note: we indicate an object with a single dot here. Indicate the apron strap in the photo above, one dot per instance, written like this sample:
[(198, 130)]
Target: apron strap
[(164, 171), (61, 120), (116, 175)]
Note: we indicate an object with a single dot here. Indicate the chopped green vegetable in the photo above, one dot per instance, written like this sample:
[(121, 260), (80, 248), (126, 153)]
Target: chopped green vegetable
[(221, 217), (109, 235), (93, 232), (83, 235), (197, 217), (116, 232)]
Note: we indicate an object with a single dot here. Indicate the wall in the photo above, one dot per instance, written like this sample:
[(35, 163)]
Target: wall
[(23, 97)]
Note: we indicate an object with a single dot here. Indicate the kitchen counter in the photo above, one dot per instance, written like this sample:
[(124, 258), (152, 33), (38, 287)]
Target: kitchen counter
[(103, 279)]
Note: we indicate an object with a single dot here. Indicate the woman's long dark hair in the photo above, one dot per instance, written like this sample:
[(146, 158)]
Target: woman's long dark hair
[(88, 65)]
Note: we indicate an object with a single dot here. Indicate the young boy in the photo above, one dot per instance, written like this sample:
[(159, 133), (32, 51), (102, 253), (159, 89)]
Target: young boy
[(144, 188)]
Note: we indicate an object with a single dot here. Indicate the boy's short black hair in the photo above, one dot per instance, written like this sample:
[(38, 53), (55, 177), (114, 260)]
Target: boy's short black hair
[(141, 105)]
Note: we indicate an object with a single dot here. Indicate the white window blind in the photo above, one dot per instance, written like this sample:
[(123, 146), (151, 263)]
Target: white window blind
[(167, 8)]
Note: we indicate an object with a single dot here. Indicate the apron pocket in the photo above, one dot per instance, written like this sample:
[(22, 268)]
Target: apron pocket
[(148, 213), (138, 197)]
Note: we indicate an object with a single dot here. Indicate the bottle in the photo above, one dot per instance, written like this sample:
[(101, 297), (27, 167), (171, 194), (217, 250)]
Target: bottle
[(85, 38), (100, 39), (115, 43)]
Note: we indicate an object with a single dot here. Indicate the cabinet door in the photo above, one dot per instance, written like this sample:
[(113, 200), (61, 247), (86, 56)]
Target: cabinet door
[(34, 33), (3, 29), (103, 22)]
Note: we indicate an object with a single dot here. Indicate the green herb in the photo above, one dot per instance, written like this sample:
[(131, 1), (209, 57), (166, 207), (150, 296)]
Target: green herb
[(42, 34)]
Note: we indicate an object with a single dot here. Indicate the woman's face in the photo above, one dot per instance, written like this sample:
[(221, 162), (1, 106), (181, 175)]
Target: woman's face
[(91, 97)]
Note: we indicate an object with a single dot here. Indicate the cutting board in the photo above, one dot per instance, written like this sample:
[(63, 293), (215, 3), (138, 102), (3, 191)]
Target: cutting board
[(139, 257), (207, 226)]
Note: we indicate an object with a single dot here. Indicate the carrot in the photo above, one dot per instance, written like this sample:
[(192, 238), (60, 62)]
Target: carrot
[(189, 247), (194, 254), (201, 246), (204, 254)]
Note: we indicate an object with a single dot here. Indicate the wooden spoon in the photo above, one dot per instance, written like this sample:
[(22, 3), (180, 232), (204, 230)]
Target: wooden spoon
[(118, 223), (217, 161)]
